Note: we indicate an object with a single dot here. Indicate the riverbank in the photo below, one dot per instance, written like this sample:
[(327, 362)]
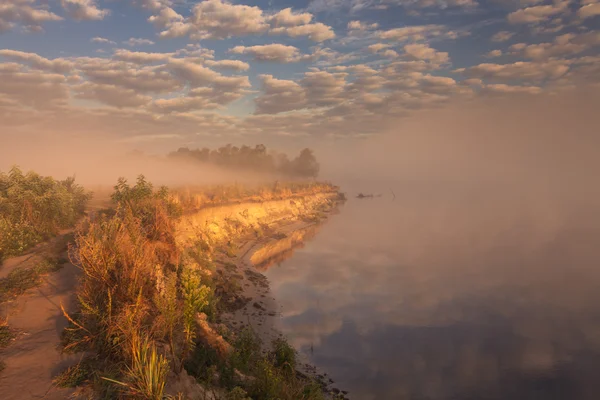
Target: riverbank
[(174, 292)]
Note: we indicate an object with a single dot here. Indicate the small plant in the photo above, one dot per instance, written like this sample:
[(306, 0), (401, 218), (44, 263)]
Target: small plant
[(237, 393), (20, 280), (284, 355), (73, 376), (6, 335), (147, 374)]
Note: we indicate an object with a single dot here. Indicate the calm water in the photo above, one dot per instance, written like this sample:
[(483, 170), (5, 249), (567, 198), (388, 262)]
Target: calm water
[(463, 296)]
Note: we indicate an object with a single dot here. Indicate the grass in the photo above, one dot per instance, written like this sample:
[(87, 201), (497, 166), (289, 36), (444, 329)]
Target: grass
[(74, 376), (20, 280), (6, 335)]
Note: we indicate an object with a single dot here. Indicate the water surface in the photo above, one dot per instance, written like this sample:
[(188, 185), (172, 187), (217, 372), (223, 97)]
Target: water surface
[(466, 295)]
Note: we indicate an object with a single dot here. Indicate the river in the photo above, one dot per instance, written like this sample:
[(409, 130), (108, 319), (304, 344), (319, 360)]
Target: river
[(469, 294)]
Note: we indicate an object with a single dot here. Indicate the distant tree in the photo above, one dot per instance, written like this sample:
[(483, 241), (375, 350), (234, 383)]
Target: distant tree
[(306, 164)]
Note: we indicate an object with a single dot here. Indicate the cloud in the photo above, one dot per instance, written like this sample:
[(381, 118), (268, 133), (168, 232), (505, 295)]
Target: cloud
[(502, 36), (521, 70), (26, 13), (201, 76), (286, 17), (81, 10), (58, 65), (563, 45), (270, 52), (493, 53), (360, 26), (102, 40), (111, 95), (138, 42), (500, 88), (424, 52), (235, 65), (218, 19), (377, 47), (213, 19), (38, 89), (443, 4), (317, 32), (415, 33), (532, 15), (279, 95), (589, 10), (139, 57)]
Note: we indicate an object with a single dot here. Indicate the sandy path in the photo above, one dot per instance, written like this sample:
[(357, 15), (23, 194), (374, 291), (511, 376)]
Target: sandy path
[(34, 357)]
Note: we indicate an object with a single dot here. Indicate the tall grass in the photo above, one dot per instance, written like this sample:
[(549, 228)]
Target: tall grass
[(139, 294), (139, 299), (34, 207)]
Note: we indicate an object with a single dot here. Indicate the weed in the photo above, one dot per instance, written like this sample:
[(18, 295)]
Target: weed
[(20, 280), (6, 335), (74, 375), (147, 374), (284, 355)]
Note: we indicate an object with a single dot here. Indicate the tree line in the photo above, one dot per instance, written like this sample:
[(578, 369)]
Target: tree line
[(257, 158)]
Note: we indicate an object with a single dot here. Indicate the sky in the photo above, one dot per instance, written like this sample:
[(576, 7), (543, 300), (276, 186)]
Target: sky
[(161, 74)]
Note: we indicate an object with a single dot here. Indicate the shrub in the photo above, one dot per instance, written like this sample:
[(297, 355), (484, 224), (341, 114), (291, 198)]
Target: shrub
[(33, 208)]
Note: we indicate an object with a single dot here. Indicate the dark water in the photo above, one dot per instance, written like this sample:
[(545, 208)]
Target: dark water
[(466, 296)]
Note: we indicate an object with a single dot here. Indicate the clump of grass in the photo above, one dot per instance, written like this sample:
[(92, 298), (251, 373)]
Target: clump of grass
[(6, 335), (284, 355), (147, 374), (74, 376), (20, 280)]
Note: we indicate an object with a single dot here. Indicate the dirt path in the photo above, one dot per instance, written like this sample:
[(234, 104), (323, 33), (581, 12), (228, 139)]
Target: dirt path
[(34, 357)]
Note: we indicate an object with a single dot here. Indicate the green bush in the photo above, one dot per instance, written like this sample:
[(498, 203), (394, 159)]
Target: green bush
[(34, 207)]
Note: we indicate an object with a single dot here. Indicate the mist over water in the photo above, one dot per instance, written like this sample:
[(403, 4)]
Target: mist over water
[(462, 296)]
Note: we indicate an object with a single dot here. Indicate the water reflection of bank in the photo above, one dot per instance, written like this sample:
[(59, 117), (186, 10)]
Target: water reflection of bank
[(282, 247)]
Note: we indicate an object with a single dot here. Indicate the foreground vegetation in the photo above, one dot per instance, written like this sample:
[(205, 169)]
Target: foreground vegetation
[(144, 303), (34, 208)]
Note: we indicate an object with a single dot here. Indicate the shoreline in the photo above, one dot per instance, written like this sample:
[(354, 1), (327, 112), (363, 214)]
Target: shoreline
[(261, 311)]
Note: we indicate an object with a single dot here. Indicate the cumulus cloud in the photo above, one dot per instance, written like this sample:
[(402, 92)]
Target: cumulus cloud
[(138, 42), (235, 65), (102, 40), (270, 52), (317, 32), (279, 95), (521, 70), (377, 47), (286, 17), (139, 57), (589, 10), (424, 52), (111, 95), (26, 13), (493, 53), (213, 19), (563, 45), (502, 36), (38, 89), (501, 88), (416, 33), (58, 65), (361, 26), (84, 10), (536, 14), (218, 19)]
